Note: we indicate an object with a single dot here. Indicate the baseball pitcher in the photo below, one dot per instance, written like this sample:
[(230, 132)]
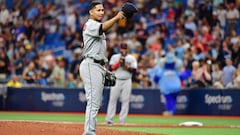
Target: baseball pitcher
[(92, 69)]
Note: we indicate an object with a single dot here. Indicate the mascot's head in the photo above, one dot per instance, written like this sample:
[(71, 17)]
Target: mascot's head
[(170, 61)]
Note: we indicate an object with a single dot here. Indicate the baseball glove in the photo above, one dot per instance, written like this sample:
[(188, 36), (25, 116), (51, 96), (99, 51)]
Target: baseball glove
[(129, 9), (110, 79)]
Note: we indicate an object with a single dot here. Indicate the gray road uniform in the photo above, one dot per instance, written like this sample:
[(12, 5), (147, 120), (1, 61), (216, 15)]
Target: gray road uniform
[(92, 71), (122, 89)]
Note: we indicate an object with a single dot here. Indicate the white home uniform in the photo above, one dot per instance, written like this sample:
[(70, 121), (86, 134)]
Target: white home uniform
[(92, 72), (122, 89)]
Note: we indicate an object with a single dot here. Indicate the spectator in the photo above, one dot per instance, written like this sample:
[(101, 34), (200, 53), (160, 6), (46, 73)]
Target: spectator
[(217, 76), (197, 54), (62, 19), (18, 64), (28, 24), (151, 71), (180, 49), (232, 17), (58, 73), (228, 71), (71, 21), (211, 53), (206, 38), (237, 85), (141, 33), (222, 15), (14, 82), (4, 15), (200, 75), (215, 21), (49, 64), (28, 28), (40, 32), (30, 54), (237, 72), (41, 71), (188, 59), (67, 36), (70, 83), (53, 26), (233, 37), (190, 24), (4, 64), (236, 53), (77, 58), (30, 74)]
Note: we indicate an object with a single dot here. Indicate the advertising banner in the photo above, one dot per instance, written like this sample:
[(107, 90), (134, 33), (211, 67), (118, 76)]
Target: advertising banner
[(146, 102), (1, 103), (194, 102), (209, 102)]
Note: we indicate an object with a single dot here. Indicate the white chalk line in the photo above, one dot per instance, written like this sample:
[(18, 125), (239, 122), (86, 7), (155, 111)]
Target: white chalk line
[(42, 121), (118, 124)]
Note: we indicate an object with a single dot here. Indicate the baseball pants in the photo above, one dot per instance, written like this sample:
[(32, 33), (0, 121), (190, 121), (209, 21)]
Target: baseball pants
[(92, 75), (123, 90)]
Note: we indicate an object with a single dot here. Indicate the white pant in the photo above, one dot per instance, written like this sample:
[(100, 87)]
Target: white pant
[(92, 75), (122, 89)]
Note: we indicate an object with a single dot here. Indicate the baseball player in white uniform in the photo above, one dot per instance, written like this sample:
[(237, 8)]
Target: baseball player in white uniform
[(123, 65), (92, 69)]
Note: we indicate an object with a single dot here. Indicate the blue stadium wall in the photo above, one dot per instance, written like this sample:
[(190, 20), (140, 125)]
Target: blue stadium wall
[(194, 102)]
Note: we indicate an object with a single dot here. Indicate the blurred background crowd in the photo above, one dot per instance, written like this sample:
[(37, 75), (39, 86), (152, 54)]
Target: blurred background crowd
[(40, 41)]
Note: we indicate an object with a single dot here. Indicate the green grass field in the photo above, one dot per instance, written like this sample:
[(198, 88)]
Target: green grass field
[(208, 121)]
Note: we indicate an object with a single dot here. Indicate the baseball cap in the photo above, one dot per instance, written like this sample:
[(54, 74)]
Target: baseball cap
[(28, 46), (60, 58), (123, 46)]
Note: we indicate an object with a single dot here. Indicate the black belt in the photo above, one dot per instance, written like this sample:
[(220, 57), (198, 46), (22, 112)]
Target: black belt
[(101, 62), (123, 79)]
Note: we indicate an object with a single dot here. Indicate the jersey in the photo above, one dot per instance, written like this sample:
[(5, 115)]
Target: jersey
[(122, 88), (93, 73), (121, 73), (94, 40)]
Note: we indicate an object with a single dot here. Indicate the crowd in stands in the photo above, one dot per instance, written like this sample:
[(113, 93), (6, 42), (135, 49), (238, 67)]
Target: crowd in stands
[(203, 34)]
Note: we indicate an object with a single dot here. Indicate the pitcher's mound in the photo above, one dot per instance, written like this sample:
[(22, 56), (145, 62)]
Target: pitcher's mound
[(53, 128)]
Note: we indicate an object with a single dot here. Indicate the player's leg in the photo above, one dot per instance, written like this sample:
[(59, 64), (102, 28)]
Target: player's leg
[(112, 103), (125, 99), (92, 76)]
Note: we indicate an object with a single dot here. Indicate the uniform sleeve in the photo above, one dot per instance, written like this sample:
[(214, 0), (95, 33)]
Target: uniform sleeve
[(134, 63), (94, 29), (113, 60)]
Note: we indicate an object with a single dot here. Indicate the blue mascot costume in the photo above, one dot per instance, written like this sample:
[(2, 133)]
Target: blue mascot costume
[(168, 81)]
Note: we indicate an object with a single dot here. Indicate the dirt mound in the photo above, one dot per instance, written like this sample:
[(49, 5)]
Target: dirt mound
[(53, 128)]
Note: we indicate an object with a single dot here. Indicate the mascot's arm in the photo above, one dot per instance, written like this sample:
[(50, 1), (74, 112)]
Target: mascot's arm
[(156, 79), (157, 76)]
